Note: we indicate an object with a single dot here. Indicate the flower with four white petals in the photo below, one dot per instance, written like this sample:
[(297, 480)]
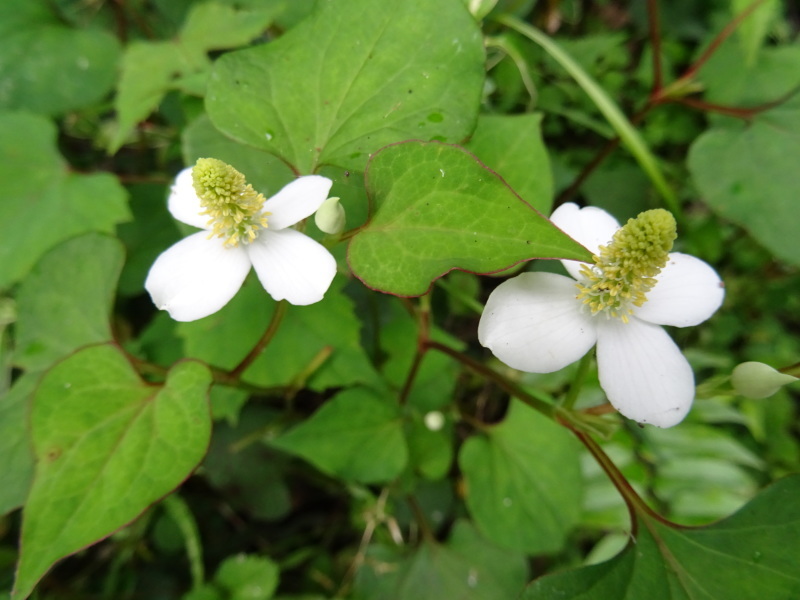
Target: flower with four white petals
[(542, 322), (199, 275)]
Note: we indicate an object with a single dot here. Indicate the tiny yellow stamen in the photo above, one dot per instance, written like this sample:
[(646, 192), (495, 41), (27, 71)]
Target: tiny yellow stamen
[(626, 268), (232, 204)]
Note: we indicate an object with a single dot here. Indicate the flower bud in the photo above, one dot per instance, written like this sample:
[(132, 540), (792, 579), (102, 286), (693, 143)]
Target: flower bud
[(434, 420), (757, 380), (330, 216)]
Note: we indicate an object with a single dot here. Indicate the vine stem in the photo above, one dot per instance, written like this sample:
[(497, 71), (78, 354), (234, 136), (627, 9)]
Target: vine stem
[(654, 23), (423, 315), (272, 328), (509, 387), (636, 506), (726, 32), (181, 514)]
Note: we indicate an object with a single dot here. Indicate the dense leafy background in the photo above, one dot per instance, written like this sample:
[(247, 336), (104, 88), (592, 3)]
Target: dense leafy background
[(374, 450)]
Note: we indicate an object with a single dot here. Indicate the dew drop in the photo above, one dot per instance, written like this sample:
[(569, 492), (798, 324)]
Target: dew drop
[(268, 135), (507, 502), (435, 118)]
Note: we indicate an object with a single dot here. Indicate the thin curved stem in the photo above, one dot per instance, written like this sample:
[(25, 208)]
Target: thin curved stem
[(180, 513), (511, 388), (721, 37), (423, 314), (654, 23), (637, 507), (272, 328)]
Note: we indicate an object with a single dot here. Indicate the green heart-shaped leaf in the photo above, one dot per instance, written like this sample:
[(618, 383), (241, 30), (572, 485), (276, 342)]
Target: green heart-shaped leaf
[(523, 482), (62, 308), (107, 445), (436, 208), (357, 435), (748, 174), (322, 93)]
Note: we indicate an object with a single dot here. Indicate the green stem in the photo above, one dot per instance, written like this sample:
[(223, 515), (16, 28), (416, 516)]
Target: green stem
[(272, 328), (636, 506), (717, 41), (423, 315), (625, 130), (179, 511), (511, 388)]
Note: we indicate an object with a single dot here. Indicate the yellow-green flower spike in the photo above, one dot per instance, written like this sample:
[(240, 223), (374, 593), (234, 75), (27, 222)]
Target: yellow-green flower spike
[(626, 268), (232, 204)]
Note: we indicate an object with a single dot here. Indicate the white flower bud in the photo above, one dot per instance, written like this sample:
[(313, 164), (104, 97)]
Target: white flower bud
[(330, 216), (757, 380), (434, 420)]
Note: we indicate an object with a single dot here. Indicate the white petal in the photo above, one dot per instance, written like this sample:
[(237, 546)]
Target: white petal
[(590, 226), (183, 202), (292, 266), (643, 372), (196, 277), (297, 200), (534, 323), (688, 292)]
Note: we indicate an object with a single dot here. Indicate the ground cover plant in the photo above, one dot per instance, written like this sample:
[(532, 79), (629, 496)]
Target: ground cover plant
[(411, 299)]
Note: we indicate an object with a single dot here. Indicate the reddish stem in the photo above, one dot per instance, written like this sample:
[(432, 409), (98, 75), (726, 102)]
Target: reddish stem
[(655, 41), (726, 32), (423, 333), (272, 328)]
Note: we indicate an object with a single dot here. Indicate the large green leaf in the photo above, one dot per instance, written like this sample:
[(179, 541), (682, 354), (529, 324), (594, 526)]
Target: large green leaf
[(752, 554), (357, 435), (107, 445), (437, 208), (48, 68), (43, 202), (63, 306), (523, 482), (353, 77), (748, 173)]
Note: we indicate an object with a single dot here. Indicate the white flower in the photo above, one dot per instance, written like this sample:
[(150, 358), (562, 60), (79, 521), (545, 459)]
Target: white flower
[(200, 274), (536, 322)]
